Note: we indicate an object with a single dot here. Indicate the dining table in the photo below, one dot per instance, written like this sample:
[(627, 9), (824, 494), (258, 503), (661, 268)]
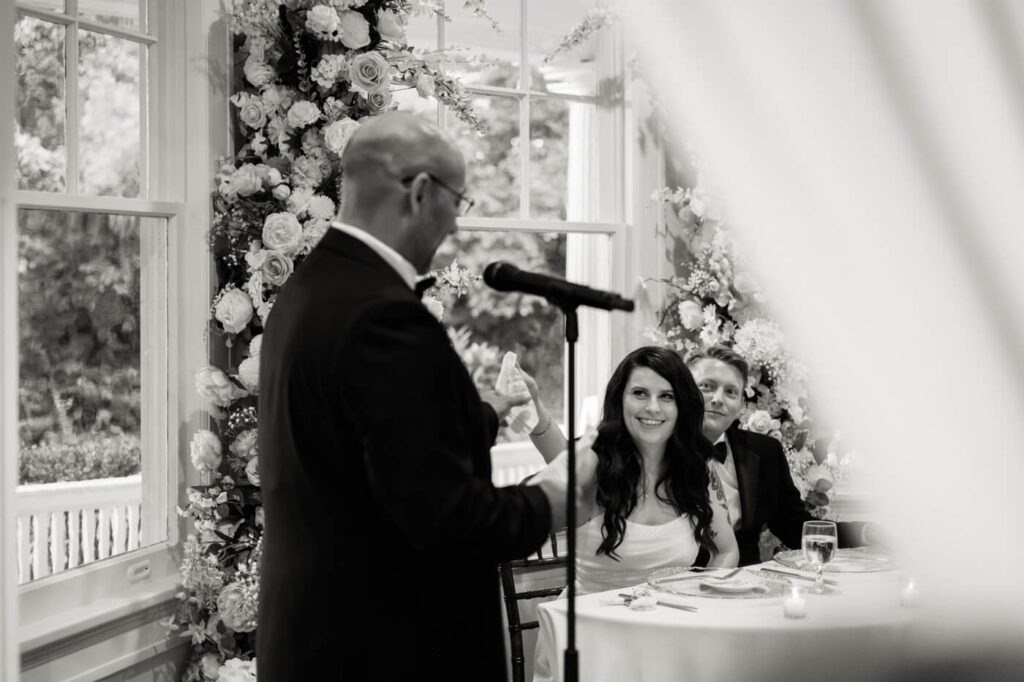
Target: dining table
[(761, 623)]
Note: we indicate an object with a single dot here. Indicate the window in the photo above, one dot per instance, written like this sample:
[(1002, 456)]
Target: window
[(110, 305), (547, 178)]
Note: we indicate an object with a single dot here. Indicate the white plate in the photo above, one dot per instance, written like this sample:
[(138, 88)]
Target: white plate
[(730, 586)]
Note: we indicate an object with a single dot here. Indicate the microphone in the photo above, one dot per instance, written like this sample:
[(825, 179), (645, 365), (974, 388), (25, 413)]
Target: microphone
[(507, 277)]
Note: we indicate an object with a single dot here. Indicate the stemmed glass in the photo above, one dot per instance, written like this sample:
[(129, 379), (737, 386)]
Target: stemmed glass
[(820, 539)]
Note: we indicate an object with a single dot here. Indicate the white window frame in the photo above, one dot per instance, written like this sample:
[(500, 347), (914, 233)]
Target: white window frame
[(72, 610)]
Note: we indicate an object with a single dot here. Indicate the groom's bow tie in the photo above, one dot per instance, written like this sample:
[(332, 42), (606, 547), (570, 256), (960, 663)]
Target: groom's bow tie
[(721, 451), (424, 284)]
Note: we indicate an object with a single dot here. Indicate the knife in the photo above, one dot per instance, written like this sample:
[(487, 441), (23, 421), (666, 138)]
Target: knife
[(798, 576)]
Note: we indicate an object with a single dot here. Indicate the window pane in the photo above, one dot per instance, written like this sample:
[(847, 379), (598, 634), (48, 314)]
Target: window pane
[(571, 71), (39, 131), (564, 160), (81, 297), (494, 167), (487, 323), (47, 5), (120, 13), (492, 52), (111, 126)]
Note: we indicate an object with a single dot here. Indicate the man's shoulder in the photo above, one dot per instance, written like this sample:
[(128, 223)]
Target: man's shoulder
[(758, 442)]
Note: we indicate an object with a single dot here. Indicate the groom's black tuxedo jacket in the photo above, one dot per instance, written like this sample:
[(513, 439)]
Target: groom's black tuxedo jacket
[(769, 496), (383, 530)]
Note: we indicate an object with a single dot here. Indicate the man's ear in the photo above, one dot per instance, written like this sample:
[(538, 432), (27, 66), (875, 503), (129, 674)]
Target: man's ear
[(418, 191)]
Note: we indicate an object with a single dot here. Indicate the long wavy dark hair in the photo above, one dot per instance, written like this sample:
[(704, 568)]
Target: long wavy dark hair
[(683, 480)]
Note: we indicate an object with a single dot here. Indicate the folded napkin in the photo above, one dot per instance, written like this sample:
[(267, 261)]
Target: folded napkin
[(521, 418)]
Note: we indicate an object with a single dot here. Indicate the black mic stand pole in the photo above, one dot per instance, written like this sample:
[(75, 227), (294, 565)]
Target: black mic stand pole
[(572, 333)]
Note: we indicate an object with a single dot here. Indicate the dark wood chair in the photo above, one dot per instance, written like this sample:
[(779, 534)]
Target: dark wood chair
[(551, 555)]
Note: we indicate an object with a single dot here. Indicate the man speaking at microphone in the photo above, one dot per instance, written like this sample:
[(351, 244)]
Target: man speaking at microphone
[(375, 445)]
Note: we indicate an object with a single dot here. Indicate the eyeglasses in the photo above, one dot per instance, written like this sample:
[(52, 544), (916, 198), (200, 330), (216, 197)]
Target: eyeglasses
[(465, 202)]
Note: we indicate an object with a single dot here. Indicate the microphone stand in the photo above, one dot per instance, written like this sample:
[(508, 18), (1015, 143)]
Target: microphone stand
[(572, 333)]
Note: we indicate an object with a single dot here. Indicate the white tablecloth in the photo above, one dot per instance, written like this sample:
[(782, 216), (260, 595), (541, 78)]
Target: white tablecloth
[(854, 635)]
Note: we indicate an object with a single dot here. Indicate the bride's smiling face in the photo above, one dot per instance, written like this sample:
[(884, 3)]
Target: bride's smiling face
[(649, 408)]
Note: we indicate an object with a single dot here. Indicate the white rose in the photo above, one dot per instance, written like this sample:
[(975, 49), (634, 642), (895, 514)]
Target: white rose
[(215, 386), (303, 113), (255, 345), (204, 451), (246, 181), (425, 85), (378, 100), (281, 192), (276, 268), (337, 134), (298, 201), (252, 470), (246, 444), (691, 315), (323, 21), (238, 612), (368, 71), (251, 112), (249, 374), (306, 170), (258, 72), (355, 30), (272, 178), (389, 27), (760, 421), (282, 232), (233, 310)]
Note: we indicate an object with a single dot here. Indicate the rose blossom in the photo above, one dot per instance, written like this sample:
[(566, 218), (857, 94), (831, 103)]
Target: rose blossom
[(251, 113), (204, 451), (337, 134), (389, 27), (306, 171), (214, 385), (258, 72), (355, 30), (281, 192), (252, 471), (761, 422), (368, 71), (246, 181), (378, 100), (425, 86), (233, 310), (237, 670), (237, 610), (303, 113), (246, 444), (691, 315), (255, 345), (282, 232), (323, 21), (276, 268)]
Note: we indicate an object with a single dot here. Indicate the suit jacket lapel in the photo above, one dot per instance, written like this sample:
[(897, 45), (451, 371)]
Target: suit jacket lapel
[(748, 469)]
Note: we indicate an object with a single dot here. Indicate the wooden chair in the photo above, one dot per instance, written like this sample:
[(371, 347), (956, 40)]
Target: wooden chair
[(551, 555)]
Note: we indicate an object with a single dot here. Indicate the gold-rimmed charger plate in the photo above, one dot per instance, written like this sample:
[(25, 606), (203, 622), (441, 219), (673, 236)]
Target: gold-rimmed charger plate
[(852, 560)]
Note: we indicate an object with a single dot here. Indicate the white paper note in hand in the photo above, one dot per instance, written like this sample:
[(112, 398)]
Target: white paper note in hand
[(521, 418)]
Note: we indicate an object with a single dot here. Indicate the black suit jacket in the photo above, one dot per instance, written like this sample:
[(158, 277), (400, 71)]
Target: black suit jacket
[(769, 497), (382, 527)]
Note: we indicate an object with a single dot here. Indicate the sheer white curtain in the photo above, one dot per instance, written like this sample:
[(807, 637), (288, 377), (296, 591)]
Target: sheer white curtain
[(871, 153)]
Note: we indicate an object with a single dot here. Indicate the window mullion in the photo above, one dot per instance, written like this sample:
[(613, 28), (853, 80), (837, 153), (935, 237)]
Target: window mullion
[(71, 102)]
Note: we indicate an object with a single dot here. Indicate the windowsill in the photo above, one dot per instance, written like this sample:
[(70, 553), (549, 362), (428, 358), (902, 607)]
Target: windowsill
[(99, 615)]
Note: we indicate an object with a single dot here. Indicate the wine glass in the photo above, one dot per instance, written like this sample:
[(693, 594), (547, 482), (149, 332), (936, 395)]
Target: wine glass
[(820, 540)]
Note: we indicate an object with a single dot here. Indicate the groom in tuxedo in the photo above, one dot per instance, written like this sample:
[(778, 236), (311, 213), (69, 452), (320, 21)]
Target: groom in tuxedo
[(755, 475), (383, 529)]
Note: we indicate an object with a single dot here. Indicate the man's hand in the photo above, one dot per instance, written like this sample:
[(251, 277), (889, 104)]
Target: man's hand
[(503, 403)]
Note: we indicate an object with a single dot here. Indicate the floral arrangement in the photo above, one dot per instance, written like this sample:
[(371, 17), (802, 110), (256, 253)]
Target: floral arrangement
[(308, 72), (715, 301)]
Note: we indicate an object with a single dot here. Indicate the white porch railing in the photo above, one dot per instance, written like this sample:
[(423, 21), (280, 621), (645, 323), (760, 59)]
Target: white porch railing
[(512, 462), (64, 525)]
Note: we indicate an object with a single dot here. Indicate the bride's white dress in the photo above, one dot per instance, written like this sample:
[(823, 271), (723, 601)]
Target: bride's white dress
[(644, 549)]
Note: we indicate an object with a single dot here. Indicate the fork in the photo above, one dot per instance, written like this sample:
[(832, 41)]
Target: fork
[(727, 575), (701, 575)]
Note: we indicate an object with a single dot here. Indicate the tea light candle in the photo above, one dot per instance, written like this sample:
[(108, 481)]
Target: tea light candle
[(910, 595), (794, 605)]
